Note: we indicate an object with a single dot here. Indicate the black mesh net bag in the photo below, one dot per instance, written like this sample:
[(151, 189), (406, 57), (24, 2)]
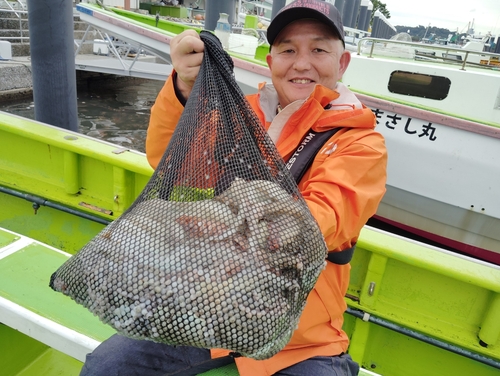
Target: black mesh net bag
[(220, 249)]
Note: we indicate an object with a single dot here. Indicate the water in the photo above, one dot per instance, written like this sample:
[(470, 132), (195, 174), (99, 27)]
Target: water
[(116, 111)]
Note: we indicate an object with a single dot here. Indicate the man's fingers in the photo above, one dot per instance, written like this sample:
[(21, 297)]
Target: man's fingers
[(187, 55), (188, 42), (193, 60)]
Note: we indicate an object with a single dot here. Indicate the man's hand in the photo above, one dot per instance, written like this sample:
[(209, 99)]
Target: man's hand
[(186, 50)]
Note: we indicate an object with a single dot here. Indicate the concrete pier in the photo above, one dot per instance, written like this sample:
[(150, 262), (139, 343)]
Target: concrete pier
[(15, 78), (15, 74)]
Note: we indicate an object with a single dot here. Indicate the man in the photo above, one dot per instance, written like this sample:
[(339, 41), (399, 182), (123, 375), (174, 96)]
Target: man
[(342, 188)]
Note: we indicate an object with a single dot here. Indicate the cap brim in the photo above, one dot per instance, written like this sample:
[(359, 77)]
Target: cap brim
[(293, 14)]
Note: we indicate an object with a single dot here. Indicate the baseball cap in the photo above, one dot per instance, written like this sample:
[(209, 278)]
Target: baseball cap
[(320, 10)]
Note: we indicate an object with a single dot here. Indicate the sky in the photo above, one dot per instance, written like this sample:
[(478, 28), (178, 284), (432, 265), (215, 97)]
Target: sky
[(448, 14)]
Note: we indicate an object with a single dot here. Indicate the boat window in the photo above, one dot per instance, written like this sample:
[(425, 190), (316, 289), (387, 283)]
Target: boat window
[(419, 85), (453, 57)]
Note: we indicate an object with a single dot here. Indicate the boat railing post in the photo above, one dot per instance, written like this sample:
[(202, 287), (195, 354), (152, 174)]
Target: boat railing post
[(446, 53), (465, 60)]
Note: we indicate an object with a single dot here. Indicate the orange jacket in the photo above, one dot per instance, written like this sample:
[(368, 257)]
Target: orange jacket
[(342, 188)]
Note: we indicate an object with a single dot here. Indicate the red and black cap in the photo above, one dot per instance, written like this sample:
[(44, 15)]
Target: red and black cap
[(299, 9)]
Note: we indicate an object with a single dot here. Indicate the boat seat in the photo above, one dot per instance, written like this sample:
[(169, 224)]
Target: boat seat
[(454, 57), (29, 306), (425, 53)]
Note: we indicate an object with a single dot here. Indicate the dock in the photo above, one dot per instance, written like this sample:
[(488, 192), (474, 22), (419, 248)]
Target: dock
[(141, 68)]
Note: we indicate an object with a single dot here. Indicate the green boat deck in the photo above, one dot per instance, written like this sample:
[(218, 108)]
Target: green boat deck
[(413, 309), (33, 338), (45, 332), (36, 317)]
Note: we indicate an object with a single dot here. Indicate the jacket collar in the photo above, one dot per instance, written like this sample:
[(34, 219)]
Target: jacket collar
[(339, 99)]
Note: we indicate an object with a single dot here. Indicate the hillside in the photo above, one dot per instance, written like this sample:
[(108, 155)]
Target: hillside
[(420, 32)]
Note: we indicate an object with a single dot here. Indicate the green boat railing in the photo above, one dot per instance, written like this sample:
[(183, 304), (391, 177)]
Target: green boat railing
[(413, 309)]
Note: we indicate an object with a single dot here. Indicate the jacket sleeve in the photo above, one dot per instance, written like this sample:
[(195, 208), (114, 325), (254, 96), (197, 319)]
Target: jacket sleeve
[(343, 188), (165, 114)]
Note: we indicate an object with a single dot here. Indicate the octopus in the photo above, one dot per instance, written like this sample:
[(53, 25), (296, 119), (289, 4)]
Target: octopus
[(232, 272)]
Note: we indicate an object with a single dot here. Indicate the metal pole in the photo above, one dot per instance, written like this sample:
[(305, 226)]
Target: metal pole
[(355, 14), (348, 13), (214, 8), (53, 62), (38, 201), (277, 5), (363, 9), (369, 11), (424, 338), (339, 4)]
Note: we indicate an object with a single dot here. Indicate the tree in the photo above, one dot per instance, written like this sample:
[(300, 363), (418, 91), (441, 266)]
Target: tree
[(380, 6)]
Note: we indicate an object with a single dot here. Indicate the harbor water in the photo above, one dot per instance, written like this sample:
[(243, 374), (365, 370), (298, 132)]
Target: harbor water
[(114, 110)]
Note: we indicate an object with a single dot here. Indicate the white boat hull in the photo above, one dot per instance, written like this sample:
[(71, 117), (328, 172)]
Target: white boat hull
[(443, 178)]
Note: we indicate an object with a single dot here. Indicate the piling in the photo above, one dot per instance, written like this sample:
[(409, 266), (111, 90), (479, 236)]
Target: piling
[(53, 62)]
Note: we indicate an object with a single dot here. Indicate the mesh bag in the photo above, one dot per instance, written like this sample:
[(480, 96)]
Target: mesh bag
[(220, 249)]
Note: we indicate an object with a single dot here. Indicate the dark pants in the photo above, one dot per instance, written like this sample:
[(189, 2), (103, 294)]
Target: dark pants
[(122, 356)]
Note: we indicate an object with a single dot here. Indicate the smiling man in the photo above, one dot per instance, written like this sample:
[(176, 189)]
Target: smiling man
[(342, 187), (306, 52)]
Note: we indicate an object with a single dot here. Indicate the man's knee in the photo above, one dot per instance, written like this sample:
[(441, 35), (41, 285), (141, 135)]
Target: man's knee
[(119, 356), (108, 358)]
